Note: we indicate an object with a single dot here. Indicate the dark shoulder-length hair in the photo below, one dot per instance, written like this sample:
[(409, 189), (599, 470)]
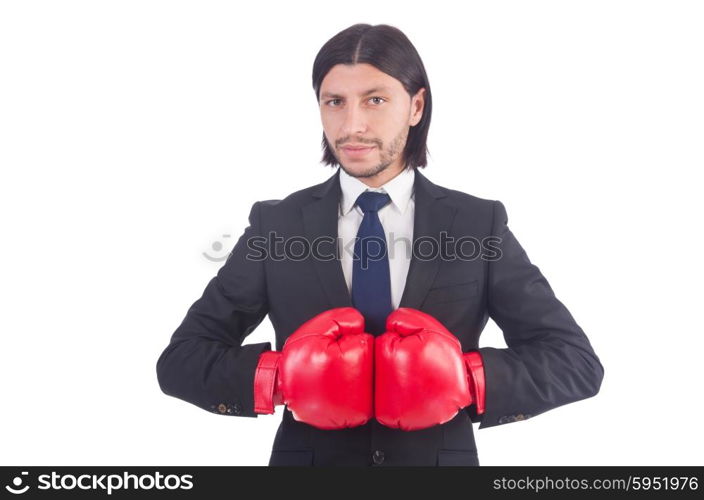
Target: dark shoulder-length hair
[(390, 51)]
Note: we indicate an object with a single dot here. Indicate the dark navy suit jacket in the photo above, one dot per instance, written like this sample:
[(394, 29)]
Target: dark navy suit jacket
[(549, 361)]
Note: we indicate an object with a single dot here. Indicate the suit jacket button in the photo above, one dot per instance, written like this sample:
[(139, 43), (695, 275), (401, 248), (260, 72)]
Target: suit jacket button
[(222, 408), (520, 416), (378, 456)]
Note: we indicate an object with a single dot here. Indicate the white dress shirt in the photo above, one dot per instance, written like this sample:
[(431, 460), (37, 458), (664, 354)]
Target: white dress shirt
[(396, 217)]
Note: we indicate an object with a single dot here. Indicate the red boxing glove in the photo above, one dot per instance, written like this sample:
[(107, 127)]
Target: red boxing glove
[(422, 378), (324, 373)]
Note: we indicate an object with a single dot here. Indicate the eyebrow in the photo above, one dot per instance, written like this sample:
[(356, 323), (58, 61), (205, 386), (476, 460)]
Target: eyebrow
[(370, 91)]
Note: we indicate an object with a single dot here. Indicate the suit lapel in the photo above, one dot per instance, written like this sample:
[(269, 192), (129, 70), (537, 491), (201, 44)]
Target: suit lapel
[(320, 221), (431, 218)]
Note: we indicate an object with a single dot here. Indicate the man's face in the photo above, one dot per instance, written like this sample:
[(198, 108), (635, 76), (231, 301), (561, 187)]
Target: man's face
[(366, 115)]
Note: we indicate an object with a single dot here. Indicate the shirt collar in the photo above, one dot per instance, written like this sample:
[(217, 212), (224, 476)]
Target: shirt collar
[(399, 189)]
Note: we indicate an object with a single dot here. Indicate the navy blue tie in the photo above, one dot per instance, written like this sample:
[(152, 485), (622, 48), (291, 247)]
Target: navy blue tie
[(371, 282)]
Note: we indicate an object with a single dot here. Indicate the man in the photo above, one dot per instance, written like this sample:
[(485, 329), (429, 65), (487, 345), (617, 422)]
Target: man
[(377, 357)]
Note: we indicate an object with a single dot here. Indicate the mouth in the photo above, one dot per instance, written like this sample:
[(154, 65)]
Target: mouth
[(356, 151)]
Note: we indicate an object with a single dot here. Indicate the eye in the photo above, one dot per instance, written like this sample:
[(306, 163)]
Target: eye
[(378, 98), (331, 100)]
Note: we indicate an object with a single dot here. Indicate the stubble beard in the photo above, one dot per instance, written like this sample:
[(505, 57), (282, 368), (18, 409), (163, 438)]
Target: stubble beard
[(386, 157)]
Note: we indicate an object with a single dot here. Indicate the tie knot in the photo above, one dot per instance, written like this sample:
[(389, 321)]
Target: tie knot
[(371, 201)]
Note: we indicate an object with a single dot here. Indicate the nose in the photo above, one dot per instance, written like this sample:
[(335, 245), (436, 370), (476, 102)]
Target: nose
[(354, 122)]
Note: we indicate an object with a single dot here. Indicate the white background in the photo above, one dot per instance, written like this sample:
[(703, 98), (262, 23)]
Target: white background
[(135, 134)]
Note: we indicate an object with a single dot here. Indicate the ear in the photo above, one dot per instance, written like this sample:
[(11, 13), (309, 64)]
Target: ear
[(417, 106)]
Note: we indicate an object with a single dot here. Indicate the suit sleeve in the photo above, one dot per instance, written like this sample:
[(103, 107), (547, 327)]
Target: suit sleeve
[(205, 362), (549, 361)]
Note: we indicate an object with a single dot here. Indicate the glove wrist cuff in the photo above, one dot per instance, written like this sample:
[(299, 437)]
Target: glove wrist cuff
[(265, 382), (475, 374)]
